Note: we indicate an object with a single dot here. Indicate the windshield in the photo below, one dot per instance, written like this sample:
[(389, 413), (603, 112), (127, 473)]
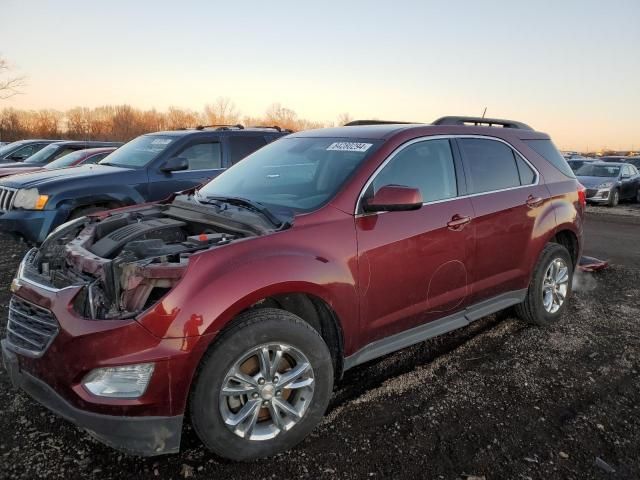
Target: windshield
[(139, 151), (590, 170), (297, 173), (9, 146), (42, 155), (67, 160)]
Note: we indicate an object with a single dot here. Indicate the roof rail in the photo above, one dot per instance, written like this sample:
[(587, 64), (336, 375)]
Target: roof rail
[(237, 126), (356, 123), (481, 121), (272, 127)]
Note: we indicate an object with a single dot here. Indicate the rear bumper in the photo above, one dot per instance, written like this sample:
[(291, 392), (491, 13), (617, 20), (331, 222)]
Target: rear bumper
[(145, 436), (32, 225)]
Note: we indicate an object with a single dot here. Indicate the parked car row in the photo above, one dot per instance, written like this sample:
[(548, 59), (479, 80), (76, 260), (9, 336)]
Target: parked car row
[(149, 168), (242, 301)]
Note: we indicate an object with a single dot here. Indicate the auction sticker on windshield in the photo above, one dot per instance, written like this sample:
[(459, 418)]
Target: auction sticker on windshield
[(349, 146)]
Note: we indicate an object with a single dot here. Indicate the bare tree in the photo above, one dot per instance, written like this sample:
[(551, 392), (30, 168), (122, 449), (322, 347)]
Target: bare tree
[(9, 85), (344, 118), (222, 112)]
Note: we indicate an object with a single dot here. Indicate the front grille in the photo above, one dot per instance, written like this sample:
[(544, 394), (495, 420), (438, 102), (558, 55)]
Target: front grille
[(31, 328), (7, 196), (591, 192)]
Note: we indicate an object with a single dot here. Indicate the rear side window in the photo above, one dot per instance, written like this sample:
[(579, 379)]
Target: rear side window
[(547, 150), (491, 165), (427, 166), (241, 146)]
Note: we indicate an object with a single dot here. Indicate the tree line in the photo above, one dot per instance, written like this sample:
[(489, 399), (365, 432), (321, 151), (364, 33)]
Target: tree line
[(124, 122)]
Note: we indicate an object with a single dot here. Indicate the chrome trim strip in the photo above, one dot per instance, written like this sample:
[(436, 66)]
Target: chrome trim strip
[(22, 279), (440, 137), (7, 196), (13, 332)]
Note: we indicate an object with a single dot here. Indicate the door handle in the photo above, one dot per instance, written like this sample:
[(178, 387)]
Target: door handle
[(458, 222), (533, 202)]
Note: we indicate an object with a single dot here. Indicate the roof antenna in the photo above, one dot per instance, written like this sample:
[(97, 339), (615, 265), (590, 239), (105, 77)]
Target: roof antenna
[(484, 112)]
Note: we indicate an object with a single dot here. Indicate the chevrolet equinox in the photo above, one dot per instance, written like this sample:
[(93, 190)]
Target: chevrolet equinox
[(242, 302)]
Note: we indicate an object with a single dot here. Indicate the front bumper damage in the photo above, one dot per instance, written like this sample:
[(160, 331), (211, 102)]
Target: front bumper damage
[(144, 436)]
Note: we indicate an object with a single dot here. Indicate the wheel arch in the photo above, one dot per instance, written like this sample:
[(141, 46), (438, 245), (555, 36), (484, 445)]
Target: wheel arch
[(314, 310)]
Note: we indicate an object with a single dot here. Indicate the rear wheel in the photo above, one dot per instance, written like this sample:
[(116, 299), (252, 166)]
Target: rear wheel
[(550, 287), (637, 198), (614, 198), (263, 386)]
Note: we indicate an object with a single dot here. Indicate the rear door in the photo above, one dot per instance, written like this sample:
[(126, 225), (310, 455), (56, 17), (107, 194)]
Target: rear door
[(508, 201), (204, 157), (627, 182), (412, 265), (240, 146)]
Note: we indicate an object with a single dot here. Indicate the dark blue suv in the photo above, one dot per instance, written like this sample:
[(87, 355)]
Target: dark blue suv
[(149, 168)]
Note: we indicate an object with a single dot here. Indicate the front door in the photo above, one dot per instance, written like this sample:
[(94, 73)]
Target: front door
[(412, 265)]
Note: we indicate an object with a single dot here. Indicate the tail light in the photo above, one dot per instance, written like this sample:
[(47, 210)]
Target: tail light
[(582, 195)]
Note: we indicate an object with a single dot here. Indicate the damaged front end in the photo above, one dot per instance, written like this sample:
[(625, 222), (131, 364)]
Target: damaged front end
[(126, 262)]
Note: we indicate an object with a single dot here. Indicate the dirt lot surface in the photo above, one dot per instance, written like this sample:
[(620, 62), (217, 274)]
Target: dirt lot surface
[(497, 400)]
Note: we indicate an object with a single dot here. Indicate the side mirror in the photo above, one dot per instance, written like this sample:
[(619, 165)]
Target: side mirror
[(393, 198), (625, 175), (175, 164)]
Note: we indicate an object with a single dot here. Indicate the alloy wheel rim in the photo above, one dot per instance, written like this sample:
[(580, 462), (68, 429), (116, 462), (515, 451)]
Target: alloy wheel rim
[(555, 285), (267, 391)]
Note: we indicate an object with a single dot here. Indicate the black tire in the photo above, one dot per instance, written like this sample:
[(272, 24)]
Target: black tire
[(614, 198), (637, 197), (84, 211), (532, 309), (251, 329)]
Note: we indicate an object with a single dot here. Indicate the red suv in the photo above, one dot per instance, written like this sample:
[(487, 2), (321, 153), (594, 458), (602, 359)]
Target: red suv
[(247, 299)]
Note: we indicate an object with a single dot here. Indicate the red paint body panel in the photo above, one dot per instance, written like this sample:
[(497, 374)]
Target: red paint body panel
[(412, 268)]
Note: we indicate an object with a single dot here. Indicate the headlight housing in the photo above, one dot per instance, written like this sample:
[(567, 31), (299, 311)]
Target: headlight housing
[(606, 185), (127, 381), (30, 199)]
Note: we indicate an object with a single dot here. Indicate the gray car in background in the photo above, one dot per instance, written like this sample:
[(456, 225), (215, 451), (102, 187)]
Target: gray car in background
[(609, 182)]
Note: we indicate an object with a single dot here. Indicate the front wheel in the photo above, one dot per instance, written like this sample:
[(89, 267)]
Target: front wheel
[(262, 387), (614, 198), (550, 287)]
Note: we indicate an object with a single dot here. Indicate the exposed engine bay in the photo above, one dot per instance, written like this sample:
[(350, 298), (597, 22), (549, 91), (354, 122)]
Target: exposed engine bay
[(126, 262)]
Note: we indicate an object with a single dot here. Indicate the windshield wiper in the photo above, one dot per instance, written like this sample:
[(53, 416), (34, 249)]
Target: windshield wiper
[(249, 205)]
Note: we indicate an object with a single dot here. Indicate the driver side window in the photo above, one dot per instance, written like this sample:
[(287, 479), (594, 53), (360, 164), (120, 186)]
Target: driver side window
[(203, 156), (427, 166)]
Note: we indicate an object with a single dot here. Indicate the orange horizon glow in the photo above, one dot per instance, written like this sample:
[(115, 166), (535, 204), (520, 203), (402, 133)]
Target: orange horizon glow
[(413, 61)]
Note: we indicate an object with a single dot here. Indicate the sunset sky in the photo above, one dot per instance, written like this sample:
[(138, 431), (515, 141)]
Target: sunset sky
[(570, 68)]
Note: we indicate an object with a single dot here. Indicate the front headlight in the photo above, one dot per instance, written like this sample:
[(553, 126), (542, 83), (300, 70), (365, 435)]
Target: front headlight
[(606, 185), (128, 381), (30, 199)]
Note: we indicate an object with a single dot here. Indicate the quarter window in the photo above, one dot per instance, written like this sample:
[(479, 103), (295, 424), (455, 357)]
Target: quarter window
[(491, 165), (427, 166), (527, 175)]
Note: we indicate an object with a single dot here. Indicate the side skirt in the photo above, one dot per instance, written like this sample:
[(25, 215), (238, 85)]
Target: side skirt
[(434, 328)]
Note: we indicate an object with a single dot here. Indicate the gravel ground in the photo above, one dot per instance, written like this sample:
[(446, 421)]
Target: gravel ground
[(622, 209), (496, 400)]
